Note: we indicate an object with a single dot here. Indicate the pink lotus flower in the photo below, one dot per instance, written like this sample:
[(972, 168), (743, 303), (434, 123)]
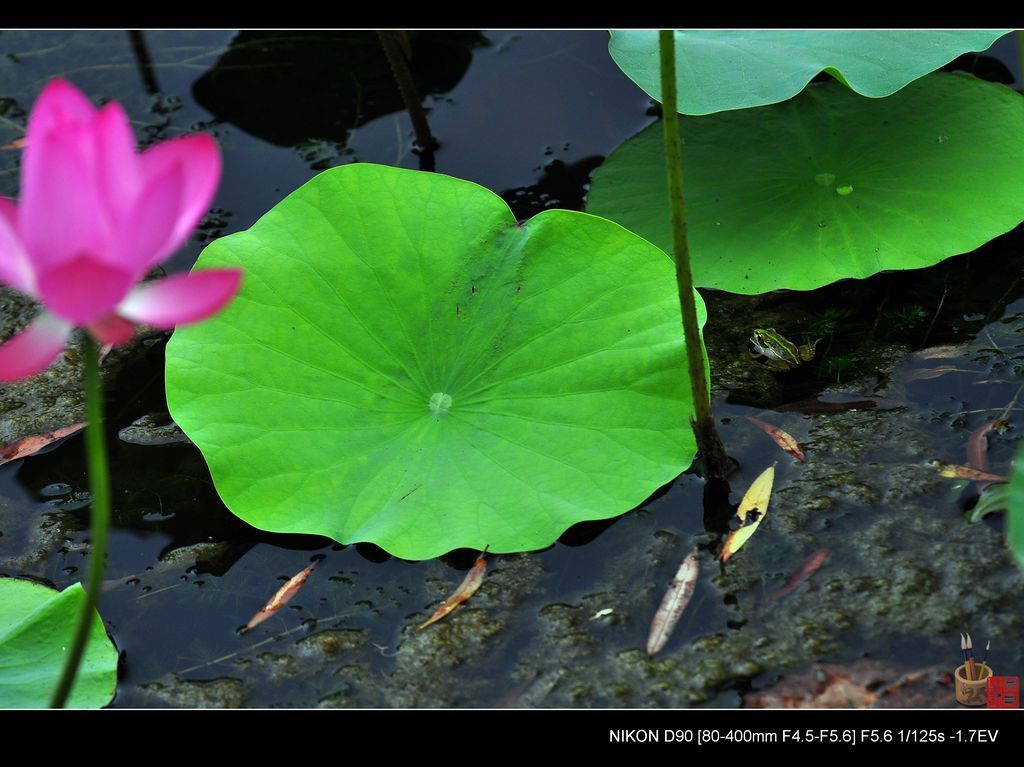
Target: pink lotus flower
[(94, 218)]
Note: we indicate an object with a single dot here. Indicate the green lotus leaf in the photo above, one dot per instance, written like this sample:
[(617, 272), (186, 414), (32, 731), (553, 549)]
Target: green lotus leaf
[(718, 70), (36, 627), (408, 366), (1015, 518), (830, 185)]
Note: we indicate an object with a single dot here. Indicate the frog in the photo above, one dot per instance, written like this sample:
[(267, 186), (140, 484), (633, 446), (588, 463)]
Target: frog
[(779, 353)]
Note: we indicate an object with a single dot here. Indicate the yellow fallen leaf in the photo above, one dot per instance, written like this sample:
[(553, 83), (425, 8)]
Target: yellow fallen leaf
[(756, 498)]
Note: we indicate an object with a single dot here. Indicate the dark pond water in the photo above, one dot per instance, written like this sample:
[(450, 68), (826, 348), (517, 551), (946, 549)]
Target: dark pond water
[(530, 115)]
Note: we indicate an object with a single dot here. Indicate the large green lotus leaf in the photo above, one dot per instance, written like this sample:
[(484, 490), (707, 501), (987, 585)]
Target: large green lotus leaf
[(1015, 518), (406, 365), (830, 185), (718, 70), (36, 627)]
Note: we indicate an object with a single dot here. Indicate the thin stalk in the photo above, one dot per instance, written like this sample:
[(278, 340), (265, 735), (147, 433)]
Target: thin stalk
[(99, 486), (1020, 59), (144, 62), (709, 444), (395, 45)]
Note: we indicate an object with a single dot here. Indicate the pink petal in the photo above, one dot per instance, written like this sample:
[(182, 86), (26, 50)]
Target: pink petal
[(8, 212), (119, 177), (14, 266), (199, 159), (111, 330), (34, 349), (147, 235), (59, 104), (60, 215), (84, 289), (183, 298)]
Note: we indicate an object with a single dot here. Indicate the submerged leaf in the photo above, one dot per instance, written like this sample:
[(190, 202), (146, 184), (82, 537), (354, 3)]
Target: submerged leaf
[(407, 365), (466, 589), (673, 603), (994, 498), (281, 597), (755, 500), (1015, 519), (780, 437), (33, 444), (809, 568)]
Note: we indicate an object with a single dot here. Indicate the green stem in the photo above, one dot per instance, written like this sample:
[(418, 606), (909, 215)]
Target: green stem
[(99, 486), (708, 442)]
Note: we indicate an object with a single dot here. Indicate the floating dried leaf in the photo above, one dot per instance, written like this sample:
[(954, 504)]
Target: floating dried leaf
[(941, 352), (810, 566), (755, 499), (780, 437), (33, 444), (466, 589), (673, 603), (966, 472), (18, 143), (280, 598), (925, 374)]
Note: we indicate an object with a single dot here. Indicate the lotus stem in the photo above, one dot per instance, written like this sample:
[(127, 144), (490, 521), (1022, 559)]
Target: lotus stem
[(99, 486), (144, 62), (1020, 58), (395, 44), (709, 444)]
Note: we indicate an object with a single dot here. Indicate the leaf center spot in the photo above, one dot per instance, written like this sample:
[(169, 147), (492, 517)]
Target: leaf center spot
[(439, 404), (825, 179)]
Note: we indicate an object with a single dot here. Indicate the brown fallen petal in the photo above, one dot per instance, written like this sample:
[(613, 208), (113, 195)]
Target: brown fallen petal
[(32, 445), (864, 684), (673, 603), (780, 437), (280, 598), (810, 566), (18, 143), (977, 443), (466, 589), (966, 472), (977, 446), (756, 499)]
